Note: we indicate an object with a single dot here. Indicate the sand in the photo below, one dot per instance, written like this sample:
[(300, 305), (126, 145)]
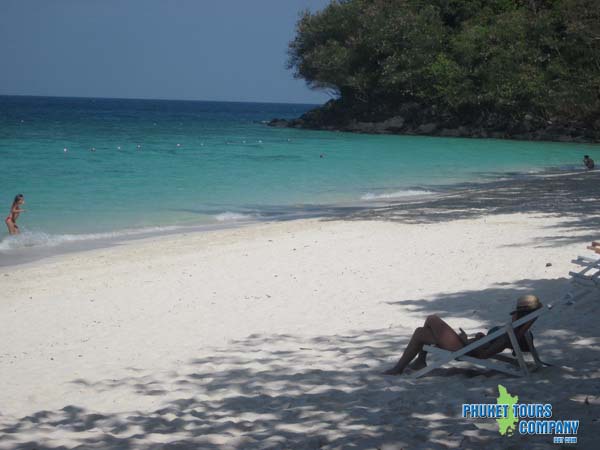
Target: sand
[(275, 335)]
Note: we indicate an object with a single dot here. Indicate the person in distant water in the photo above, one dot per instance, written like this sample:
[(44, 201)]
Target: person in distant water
[(15, 211), (589, 162), (437, 332)]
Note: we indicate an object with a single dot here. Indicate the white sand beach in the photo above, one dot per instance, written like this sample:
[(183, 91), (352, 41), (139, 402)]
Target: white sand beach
[(275, 335)]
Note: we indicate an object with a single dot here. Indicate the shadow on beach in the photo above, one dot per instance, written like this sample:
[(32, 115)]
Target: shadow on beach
[(574, 197), (326, 392)]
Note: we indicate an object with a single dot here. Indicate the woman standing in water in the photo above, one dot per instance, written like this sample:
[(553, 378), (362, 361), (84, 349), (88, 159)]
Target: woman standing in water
[(15, 211)]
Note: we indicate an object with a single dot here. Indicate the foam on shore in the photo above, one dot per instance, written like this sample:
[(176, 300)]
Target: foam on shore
[(397, 194)]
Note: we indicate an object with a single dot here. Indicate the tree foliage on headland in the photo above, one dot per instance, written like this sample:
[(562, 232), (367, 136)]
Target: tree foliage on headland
[(492, 61)]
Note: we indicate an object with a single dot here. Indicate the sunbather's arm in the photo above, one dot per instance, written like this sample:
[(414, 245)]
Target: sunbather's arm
[(466, 340), (490, 349)]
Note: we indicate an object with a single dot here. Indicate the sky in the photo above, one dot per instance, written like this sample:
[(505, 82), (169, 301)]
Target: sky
[(224, 50)]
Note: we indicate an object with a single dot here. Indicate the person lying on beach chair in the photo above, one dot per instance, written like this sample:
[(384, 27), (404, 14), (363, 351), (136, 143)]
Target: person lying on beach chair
[(437, 332), (595, 247)]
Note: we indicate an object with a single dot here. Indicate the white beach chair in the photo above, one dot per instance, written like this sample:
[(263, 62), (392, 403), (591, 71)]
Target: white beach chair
[(589, 275), (501, 363), (515, 365), (587, 279)]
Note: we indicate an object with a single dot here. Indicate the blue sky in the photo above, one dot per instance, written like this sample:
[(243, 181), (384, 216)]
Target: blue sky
[(175, 49)]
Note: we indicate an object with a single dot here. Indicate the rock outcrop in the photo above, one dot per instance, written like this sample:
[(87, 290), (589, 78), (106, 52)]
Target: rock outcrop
[(414, 119)]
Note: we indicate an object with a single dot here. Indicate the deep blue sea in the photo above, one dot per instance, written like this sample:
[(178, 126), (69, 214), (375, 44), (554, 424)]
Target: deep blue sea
[(92, 168)]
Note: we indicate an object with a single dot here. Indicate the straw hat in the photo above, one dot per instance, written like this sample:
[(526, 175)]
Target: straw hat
[(527, 303)]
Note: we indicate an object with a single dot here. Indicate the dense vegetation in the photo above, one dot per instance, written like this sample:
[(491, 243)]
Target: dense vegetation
[(490, 62)]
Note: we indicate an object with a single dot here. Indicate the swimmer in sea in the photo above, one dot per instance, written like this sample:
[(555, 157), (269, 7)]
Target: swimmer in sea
[(588, 162), (15, 211)]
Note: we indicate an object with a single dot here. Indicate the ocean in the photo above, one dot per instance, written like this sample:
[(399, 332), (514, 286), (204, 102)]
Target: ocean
[(94, 169)]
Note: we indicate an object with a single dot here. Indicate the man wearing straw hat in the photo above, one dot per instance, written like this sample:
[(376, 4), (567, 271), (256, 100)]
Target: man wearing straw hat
[(437, 332)]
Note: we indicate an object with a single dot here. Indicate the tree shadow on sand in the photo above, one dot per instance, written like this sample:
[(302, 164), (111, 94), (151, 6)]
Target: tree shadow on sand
[(573, 198), (327, 392)]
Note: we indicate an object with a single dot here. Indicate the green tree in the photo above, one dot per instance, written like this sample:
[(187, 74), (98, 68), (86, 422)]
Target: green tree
[(469, 58)]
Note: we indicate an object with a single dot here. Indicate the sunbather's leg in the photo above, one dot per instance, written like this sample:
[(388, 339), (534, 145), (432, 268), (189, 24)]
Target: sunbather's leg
[(420, 361), (434, 331), (445, 337), (420, 337)]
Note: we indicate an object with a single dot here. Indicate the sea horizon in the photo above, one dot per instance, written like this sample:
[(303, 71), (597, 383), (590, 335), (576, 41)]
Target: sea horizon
[(157, 99)]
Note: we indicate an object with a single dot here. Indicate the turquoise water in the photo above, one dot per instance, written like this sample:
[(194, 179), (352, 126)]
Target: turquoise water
[(163, 164)]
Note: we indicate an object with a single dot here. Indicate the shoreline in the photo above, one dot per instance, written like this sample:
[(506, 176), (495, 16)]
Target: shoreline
[(81, 243)]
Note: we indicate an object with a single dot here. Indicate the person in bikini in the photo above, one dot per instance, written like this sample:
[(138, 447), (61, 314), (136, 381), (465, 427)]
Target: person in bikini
[(437, 332), (15, 211)]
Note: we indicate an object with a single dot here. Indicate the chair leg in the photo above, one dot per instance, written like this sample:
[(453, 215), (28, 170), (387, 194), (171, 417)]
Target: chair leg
[(517, 350)]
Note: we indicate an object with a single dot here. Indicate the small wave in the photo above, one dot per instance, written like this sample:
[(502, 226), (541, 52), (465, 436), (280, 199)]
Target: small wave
[(29, 239), (397, 194), (232, 217)]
